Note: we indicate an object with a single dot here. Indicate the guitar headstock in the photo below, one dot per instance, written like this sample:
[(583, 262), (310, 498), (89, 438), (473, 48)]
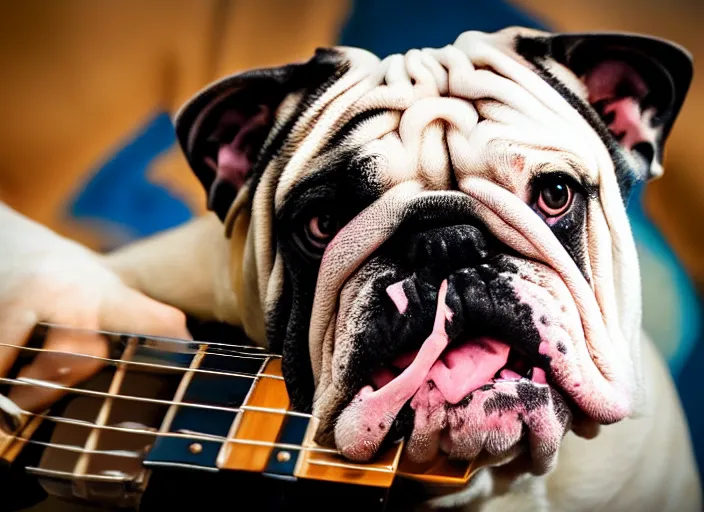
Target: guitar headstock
[(162, 405)]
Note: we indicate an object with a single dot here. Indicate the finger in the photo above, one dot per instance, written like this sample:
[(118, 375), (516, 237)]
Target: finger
[(16, 326), (71, 357), (127, 310)]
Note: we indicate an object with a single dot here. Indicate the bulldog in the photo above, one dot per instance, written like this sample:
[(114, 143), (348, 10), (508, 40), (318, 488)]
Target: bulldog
[(437, 244)]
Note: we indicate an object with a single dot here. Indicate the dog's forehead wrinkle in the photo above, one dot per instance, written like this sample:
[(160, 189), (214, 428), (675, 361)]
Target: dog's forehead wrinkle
[(432, 99)]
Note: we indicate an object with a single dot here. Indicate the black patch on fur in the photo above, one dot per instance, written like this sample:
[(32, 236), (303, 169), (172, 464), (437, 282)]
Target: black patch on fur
[(561, 409), (536, 50), (531, 396), (346, 186), (344, 189), (278, 319), (296, 365), (484, 304), (403, 424), (501, 402), (349, 127), (377, 342)]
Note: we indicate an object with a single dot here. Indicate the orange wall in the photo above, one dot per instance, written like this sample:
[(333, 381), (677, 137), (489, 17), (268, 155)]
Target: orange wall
[(81, 75)]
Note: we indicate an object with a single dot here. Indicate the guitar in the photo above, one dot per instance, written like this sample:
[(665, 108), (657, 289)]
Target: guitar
[(195, 425)]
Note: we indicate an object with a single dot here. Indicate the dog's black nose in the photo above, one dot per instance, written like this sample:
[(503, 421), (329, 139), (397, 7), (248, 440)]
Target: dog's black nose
[(437, 252)]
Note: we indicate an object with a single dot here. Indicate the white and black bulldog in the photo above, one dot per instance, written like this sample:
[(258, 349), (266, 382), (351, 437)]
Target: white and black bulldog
[(437, 243)]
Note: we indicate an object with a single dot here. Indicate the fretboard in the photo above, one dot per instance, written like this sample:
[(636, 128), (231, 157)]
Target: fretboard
[(173, 404)]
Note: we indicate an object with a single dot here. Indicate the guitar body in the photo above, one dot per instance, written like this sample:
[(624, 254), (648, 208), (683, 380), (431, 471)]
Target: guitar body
[(172, 424)]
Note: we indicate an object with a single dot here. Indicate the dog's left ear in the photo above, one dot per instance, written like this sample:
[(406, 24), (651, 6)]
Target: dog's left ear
[(223, 129), (635, 83)]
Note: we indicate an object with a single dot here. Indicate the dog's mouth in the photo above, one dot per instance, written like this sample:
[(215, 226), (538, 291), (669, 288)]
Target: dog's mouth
[(467, 388), (464, 367)]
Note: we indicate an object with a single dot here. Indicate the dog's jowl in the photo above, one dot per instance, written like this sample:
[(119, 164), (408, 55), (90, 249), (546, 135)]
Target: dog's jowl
[(437, 243)]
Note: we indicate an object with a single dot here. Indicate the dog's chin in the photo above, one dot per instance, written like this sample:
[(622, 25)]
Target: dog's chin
[(464, 394)]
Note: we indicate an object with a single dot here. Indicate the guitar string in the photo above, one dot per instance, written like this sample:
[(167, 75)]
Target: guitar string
[(94, 477), (118, 334), (181, 434), (25, 381), (81, 450), (190, 435), (215, 351), (130, 362)]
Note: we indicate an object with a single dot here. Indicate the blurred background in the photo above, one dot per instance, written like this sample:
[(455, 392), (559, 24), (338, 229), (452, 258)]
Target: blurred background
[(90, 86)]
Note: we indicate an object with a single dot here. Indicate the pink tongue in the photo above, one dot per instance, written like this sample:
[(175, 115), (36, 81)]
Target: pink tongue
[(468, 367)]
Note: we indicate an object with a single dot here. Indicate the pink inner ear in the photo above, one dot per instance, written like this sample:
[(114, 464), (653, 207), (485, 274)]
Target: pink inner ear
[(629, 124), (235, 157)]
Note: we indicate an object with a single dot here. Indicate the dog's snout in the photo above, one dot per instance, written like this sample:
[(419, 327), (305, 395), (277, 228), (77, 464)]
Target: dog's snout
[(441, 250)]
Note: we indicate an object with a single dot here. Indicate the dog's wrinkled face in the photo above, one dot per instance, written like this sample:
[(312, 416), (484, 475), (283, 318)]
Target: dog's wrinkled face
[(437, 242)]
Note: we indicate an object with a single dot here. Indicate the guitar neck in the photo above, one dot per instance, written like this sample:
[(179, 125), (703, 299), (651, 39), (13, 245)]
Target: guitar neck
[(164, 414)]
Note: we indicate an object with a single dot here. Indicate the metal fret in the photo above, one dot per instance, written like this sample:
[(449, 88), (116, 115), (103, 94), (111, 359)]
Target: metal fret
[(216, 390), (226, 450), (94, 436), (159, 451), (180, 392), (172, 452)]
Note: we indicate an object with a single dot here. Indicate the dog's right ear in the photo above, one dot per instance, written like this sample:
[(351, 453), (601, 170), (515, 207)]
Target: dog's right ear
[(225, 128), (635, 84)]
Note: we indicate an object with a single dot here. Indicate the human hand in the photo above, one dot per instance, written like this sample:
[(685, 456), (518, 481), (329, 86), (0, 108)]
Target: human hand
[(47, 278)]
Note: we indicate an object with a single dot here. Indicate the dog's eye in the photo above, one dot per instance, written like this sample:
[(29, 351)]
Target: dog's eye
[(554, 197), (320, 230)]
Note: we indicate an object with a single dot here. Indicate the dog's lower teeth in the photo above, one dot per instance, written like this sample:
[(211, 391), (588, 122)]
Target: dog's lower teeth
[(529, 374)]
